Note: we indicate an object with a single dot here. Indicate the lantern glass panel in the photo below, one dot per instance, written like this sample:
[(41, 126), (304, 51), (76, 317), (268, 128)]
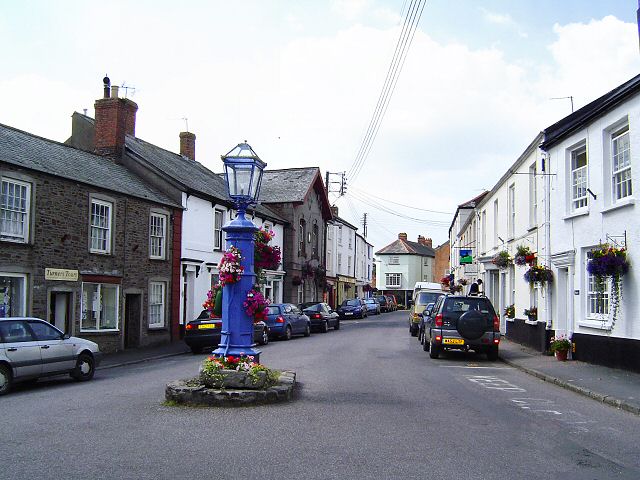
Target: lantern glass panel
[(240, 180)]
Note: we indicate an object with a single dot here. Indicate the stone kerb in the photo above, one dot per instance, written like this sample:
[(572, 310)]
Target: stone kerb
[(192, 392)]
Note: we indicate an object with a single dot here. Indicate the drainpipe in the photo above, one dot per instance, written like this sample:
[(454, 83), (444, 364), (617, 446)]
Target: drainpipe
[(547, 232)]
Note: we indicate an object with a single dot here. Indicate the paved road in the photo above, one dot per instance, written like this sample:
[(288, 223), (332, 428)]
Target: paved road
[(372, 406)]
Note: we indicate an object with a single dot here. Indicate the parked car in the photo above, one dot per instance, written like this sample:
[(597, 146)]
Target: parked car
[(285, 320), (393, 303), (459, 322), (373, 307), (205, 332), (384, 303), (31, 348), (420, 301), (322, 316), (353, 308)]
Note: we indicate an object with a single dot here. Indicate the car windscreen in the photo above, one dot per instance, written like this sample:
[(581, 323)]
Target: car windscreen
[(314, 308), (424, 298), (371, 301), (455, 307), (351, 303)]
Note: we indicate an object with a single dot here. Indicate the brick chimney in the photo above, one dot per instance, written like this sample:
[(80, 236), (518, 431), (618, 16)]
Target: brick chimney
[(427, 242), (115, 118), (402, 236), (334, 211), (188, 145)]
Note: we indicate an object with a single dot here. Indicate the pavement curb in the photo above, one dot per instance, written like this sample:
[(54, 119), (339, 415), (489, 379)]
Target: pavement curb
[(141, 360), (607, 399)]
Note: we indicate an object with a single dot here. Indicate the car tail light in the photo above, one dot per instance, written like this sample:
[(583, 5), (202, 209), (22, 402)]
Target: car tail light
[(496, 323), (439, 321), (496, 340), (316, 315), (438, 339), (279, 319), (189, 327)]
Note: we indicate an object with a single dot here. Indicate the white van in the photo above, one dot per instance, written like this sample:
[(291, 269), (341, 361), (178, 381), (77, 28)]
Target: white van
[(423, 294)]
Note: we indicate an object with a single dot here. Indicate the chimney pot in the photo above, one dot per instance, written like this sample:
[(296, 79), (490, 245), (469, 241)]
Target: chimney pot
[(334, 211), (188, 145), (114, 91), (402, 236)]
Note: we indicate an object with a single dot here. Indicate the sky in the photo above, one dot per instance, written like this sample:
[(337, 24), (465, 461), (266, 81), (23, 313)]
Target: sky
[(299, 80)]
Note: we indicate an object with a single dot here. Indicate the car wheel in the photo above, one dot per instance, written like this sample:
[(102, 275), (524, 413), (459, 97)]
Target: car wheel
[(196, 350), (421, 336), (5, 379), (426, 344), (434, 352), (414, 332), (307, 330), (85, 368), (287, 333), (264, 339), (492, 353), (325, 327), (337, 325)]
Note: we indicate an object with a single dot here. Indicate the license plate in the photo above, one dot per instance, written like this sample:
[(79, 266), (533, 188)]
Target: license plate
[(348, 313), (453, 341), (204, 326)]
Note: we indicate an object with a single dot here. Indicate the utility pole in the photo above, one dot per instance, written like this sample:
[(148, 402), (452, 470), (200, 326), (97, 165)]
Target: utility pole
[(364, 224)]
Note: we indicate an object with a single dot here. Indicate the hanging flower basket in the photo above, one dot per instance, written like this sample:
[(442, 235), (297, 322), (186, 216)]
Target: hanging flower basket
[(524, 256), (230, 267), (444, 281), (608, 261), (265, 256), (502, 260), (538, 274), (455, 288), (255, 305)]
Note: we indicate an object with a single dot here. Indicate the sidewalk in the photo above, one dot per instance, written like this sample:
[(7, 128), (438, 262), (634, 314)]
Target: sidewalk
[(142, 354), (618, 388)]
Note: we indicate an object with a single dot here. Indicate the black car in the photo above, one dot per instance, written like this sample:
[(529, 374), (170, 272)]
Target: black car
[(458, 322), (353, 308), (322, 316), (205, 332)]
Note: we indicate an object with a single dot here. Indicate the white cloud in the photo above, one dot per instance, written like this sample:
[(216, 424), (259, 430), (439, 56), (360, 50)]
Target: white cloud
[(503, 19), (349, 9)]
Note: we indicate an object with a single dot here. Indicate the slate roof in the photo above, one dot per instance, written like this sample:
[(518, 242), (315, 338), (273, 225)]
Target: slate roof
[(288, 185), (40, 154), (569, 124), (405, 247)]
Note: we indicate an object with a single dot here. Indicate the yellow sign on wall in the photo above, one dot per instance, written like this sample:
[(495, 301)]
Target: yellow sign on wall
[(60, 274)]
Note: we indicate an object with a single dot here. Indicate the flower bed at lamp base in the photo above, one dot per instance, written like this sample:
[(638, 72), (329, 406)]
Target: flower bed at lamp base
[(193, 393)]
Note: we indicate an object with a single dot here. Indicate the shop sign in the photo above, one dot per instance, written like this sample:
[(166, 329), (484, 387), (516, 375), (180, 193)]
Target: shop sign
[(61, 274)]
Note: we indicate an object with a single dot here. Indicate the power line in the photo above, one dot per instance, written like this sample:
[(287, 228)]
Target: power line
[(362, 192), (403, 44), (380, 207)]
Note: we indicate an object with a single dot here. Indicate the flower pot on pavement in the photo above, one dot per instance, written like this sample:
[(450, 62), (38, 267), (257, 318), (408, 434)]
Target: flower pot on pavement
[(561, 355)]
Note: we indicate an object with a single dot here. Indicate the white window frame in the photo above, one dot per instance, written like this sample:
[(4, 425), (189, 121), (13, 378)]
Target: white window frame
[(99, 312), (394, 260), (350, 241), (157, 304), (621, 174), (97, 228), (218, 220), (339, 235), (348, 263), (300, 294), (511, 218), (496, 211), (483, 226), (578, 179), (393, 280), (339, 262), (598, 300), (158, 236), (533, 196), (16, 215)]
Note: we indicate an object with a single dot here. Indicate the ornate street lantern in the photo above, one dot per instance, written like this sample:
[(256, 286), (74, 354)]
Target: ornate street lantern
[(243, 173)]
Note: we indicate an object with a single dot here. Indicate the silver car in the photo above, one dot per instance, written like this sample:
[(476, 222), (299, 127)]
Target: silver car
[(31, 348)]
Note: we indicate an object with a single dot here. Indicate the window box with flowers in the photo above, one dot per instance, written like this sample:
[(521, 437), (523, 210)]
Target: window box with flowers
[(538, 274), (524, 256), (510, 311), (502, 260), (531, 313)]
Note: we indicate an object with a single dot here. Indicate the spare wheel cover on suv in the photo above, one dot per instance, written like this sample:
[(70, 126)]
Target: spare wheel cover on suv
[(472, 324)]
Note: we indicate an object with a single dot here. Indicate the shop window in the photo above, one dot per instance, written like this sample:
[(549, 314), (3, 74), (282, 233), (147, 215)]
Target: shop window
[(13, 298), (100, 307)]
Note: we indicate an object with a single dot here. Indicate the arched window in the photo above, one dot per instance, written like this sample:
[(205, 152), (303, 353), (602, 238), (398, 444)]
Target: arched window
[(314, 240), (301, 237)]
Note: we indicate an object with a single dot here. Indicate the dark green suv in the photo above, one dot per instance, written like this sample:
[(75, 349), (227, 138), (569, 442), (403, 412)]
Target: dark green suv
[(464, 323)]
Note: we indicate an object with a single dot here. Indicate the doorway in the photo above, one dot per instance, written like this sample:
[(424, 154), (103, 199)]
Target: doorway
[(60, 311), (132, 310)]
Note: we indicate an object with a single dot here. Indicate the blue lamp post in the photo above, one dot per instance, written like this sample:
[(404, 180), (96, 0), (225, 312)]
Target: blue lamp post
[(243, 172)]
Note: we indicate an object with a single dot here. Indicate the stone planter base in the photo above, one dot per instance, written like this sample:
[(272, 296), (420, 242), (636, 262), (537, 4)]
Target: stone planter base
[(234, 380), (192, 392)]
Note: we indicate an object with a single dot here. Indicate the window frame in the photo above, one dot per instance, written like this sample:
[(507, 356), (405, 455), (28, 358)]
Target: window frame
[(22, 301), (218, 221), (578, 178), (617, 134), (302, 224), (109, 229), (533, 196), (315, 246), (99, 316), (397, 277), (161, 239), (26, 214), (511, 216), (161, 314)]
